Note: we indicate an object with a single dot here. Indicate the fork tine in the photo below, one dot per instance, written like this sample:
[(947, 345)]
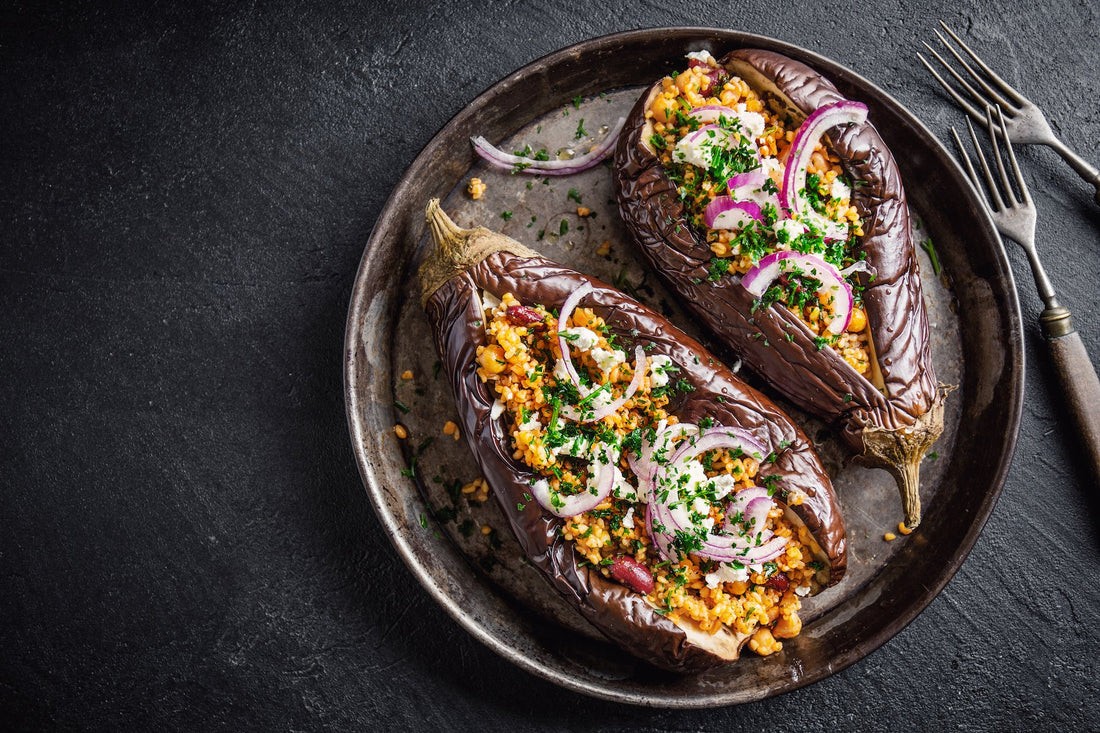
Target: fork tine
[(1004, 85), (967, 106), (990, 91), (1012, 157), (1010, 195), (994, 194), (970, 172)]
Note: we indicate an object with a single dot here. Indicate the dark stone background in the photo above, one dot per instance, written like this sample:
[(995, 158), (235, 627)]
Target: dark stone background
[(185, 542)]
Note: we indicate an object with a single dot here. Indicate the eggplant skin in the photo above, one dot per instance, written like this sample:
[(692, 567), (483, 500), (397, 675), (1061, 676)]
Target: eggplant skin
[(454, 311), (818, 380)]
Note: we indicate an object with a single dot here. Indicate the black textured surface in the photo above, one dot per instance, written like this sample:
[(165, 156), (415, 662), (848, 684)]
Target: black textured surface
[(185, 542)]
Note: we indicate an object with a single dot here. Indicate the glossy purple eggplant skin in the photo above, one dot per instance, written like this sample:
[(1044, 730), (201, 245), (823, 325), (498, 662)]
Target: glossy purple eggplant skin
[(454, 310), (773, 342)]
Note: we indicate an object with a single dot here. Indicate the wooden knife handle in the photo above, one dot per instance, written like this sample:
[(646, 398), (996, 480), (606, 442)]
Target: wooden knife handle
[(1082, 392)]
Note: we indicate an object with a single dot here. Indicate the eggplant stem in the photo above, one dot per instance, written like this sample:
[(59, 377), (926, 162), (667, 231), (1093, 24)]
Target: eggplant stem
[(457, 250), (900, 452)]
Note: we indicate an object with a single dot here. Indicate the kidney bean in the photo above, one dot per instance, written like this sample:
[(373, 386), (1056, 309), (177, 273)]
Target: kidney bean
[(778, 582), (521, 315), (712, 79), (632, 574)]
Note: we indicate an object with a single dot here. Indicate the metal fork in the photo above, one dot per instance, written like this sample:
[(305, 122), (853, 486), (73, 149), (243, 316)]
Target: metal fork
[(1025, 123), (1014, 216)]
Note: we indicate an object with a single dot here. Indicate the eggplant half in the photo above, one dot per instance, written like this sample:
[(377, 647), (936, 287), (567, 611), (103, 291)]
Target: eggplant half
[(892, 412), (468, 269)]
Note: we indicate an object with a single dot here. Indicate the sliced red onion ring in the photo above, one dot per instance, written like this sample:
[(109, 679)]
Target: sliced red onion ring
[(591, 415), (726, 213), (747, 554), (760, 277), (717, 437), (567, 307), (753, 179), (712, 112), (792, 192), (519, 164)]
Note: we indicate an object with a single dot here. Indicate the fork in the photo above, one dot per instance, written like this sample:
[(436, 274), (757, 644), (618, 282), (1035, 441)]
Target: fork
[(1014, 216), (1025, 123)]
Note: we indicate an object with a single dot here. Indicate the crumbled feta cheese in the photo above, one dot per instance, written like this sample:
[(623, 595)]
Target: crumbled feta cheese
[(497, 409), (698, 148), (628, 518), (708, 523), (532, 424), (607, 359), (702, 57), (580, 337), (726, 573), (603, 458), (560, 371), (700, 506), (788, 230), (802, 590), (623, 489), (752, 124), (840, 190), (489, 303), (577, 446), (724, 484), (658, 367)]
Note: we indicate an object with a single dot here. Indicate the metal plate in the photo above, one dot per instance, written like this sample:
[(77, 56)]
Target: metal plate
[(481, 579)]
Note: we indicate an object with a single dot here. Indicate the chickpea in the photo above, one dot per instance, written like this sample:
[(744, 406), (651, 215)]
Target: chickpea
[(788, 627), (491, 359), (660, 108), (818, 162), (687, 82), (859, 320), (763, 643)]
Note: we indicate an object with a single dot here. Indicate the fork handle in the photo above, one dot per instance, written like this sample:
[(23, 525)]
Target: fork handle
[(1079, 164), (1078, 377)]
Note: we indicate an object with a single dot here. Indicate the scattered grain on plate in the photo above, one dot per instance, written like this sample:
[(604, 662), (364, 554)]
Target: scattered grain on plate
[(604, 249), (583, 211), (889, 536), (407, 374), (400, 431), (476, 188), (902, 529), (449, 428), (486, 529)]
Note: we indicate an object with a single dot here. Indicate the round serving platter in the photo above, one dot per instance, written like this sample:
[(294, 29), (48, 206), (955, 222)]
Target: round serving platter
[(458, 548)]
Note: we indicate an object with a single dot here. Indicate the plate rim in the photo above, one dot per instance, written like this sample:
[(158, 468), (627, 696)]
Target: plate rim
[(389, 218)]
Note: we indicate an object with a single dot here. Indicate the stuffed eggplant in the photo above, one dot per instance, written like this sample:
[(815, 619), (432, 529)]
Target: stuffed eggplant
[(675, 507), (773, 206)]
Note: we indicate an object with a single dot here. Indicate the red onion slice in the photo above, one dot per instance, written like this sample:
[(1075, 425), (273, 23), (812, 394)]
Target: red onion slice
[(519, 164), (712, 112), (567, 308), (753, 180), (792, 192), (746, 554), (760, 277), (591, 415), (726, 213), (717, 437)]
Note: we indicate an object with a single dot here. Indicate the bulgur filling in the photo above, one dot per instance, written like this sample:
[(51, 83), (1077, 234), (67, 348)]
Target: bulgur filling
[(725, 147), (678, 493)]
